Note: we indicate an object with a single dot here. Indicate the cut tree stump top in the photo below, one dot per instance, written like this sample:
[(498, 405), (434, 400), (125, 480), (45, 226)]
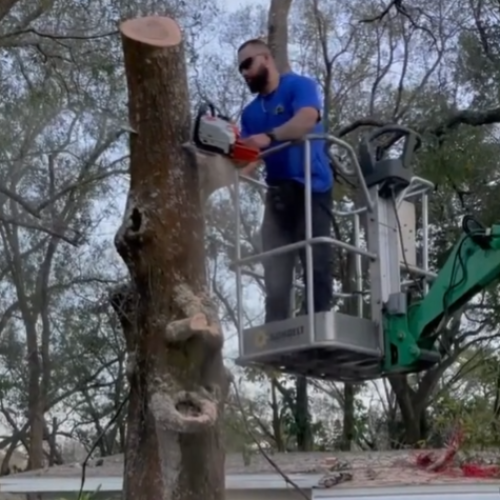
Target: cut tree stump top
[(156, 31), (369, 469)]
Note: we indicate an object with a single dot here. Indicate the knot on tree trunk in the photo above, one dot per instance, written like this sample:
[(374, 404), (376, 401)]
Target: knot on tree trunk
[(185, 412), (134, 231), (175, 407)]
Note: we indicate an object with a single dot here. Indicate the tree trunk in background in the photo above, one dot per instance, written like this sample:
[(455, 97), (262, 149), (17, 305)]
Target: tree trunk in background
[(277, 32), (277, 39), (349, 420), (410, 418), (35, 406), (276, 419), (350, 307), (305, 437), (35, 397), (178, 382)]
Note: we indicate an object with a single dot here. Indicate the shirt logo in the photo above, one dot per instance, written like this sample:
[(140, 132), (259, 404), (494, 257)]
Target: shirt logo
[(279, 109)]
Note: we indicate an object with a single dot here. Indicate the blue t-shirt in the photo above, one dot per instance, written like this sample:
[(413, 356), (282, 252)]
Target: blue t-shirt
[(267, 112)]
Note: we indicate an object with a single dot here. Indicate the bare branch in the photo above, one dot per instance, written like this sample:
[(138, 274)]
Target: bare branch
[(464, 117), (18, 199), (363, 122), (53, 36), (73, 239), (393, 4), (467, 117)]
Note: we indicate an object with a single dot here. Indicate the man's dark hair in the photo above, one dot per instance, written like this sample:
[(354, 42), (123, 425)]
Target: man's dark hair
[(254, 41)]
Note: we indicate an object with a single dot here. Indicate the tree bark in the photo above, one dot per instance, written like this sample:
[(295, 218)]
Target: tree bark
[(305, 437), (277, 39), (277, 32), (277, 420), (178, 382), (349, 420)]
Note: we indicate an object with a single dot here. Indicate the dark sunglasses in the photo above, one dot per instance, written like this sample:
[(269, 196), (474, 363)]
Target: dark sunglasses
[(247, 63)]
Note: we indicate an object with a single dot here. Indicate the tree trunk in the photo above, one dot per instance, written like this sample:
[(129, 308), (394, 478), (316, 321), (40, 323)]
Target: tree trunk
[(35, 400), (350, 307), (302, 416), (277, 39), (349, 420), (277, 33), (276, 419), (178, 383), (410, 416)]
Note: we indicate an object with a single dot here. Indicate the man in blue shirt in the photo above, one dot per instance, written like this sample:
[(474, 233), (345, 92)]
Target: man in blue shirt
[(288, 107)]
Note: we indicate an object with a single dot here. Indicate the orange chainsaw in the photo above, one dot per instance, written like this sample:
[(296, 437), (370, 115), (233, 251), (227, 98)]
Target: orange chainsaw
[(216, 134)]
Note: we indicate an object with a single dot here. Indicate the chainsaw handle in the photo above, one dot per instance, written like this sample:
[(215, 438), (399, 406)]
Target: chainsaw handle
[(206, 108)]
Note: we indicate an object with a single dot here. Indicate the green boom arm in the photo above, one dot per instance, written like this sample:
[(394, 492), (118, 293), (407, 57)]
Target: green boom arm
[(473, 264)]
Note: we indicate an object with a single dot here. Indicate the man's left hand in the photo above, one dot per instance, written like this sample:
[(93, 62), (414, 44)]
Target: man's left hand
[(259, 141)]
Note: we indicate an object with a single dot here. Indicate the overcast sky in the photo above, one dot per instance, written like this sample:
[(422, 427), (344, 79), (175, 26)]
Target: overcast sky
[(235, 4)]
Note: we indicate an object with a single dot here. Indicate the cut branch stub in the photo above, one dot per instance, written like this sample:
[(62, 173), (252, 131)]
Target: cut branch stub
[(197, 325), (201, 323), (202, 320), (192, 304)]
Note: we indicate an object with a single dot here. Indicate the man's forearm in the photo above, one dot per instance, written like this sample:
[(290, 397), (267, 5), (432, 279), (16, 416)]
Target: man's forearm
[(297, 127)]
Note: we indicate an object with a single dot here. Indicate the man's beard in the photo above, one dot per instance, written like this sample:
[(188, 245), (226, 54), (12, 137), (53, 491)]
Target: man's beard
[(258, 83)]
